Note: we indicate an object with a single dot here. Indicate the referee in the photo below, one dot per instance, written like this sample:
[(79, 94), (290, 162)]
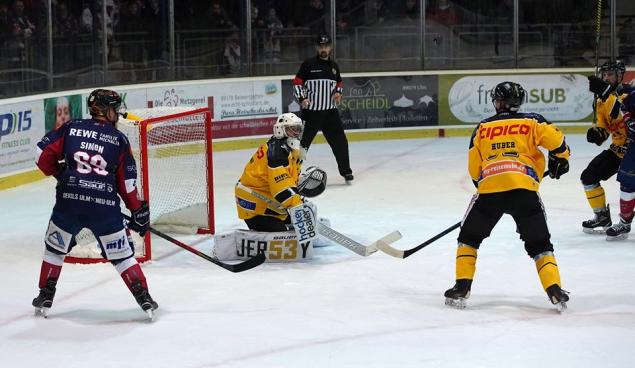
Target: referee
[(318, 88)]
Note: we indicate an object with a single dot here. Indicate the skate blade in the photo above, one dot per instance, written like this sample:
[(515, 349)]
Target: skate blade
[(151, 315), (459, 303), (42, 312), (617, 237), (596, 231), (561, 307)]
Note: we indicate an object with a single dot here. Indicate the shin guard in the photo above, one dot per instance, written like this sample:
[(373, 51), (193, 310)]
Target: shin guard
[(547, 269), (596, 198), (465, 262)]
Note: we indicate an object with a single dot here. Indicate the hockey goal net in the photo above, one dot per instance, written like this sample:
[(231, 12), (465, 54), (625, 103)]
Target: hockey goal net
[(173, 151)]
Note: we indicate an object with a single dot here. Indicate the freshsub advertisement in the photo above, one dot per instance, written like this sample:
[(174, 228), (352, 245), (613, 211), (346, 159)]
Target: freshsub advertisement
[(558, 97)]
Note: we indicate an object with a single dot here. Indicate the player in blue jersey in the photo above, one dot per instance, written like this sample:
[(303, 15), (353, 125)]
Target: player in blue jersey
[(94, 167), (626, 171)]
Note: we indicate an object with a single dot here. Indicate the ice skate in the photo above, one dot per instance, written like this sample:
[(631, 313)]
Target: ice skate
[(618, 231), (558, 297), (44, 300), (144, 300), (598, 224), (348, 178), (458, 295)]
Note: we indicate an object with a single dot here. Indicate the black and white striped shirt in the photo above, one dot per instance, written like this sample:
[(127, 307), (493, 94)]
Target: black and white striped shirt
[(317, 80)]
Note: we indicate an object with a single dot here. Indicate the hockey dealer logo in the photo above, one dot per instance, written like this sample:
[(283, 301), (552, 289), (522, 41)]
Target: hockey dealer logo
[(93, 185), (501, 130), (303, 223)]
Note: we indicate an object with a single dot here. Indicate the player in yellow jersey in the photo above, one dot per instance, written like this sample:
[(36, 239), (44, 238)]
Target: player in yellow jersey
[(506, 166), (271, 183), (610, 122)]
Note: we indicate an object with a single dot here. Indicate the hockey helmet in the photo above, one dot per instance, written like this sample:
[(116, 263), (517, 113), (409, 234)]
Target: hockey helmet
[(324, 39), (288, 125), (312, 182), (617, 66), (512, 94), (100, 100)]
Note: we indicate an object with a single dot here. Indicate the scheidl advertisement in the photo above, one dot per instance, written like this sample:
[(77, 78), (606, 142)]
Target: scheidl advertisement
[(21, 127), (382, 102), (558, 97)]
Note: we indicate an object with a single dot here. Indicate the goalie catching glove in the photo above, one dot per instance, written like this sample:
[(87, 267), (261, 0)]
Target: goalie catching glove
[(312, 182), (140, 219)]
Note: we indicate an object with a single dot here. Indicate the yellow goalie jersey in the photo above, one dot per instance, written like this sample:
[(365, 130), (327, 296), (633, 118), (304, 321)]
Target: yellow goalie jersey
[(610, 117), (272, 172), (504, 153)]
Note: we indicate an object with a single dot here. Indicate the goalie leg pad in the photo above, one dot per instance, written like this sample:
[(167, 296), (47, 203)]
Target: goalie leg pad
[(280, 246)]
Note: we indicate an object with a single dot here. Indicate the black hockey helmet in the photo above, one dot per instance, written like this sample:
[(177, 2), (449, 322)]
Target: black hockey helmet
[(512, 94), (323, 39), (617, 66), (100, 100)]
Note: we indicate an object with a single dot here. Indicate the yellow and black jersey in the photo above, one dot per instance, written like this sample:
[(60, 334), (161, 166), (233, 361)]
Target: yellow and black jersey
[(610, 117), (273, 172), (504, 153)]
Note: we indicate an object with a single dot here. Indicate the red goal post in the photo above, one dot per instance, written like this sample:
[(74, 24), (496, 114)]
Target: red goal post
[(172, 147)]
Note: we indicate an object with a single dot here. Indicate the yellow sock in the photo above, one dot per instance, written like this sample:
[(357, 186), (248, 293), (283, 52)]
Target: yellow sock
[(596, 198), (547, 270), (465, 262)]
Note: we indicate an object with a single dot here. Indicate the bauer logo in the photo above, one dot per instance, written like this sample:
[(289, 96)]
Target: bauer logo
[(558, 97), (15, 122)]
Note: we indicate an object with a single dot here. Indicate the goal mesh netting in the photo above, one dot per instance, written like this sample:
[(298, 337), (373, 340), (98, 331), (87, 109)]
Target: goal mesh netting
[(172, 149)]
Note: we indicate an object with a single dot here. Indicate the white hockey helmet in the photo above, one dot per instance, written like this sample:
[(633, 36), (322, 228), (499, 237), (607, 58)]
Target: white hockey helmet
[(288, 125)]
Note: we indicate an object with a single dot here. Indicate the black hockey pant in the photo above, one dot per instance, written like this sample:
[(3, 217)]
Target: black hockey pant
[(523, 205), (330, 123)]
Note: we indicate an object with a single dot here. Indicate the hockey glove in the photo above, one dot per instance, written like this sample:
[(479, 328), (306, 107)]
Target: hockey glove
[(140, 219), (558, 166), (61, 167), (596, 135), (600, 87)]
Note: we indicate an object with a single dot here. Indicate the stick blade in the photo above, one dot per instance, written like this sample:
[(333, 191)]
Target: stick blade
[(244, 266), (388, 239), (386, 248)]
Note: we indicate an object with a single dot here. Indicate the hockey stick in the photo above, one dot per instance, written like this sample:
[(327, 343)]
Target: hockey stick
[(331, 234), (399, 253), (598, 22), (238, 267)]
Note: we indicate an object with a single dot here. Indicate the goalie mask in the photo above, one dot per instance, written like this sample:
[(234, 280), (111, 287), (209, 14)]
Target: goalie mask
[(312, 182), (289, 126)]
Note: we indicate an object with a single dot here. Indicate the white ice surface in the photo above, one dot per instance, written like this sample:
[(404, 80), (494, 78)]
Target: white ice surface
[(340, 310)]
